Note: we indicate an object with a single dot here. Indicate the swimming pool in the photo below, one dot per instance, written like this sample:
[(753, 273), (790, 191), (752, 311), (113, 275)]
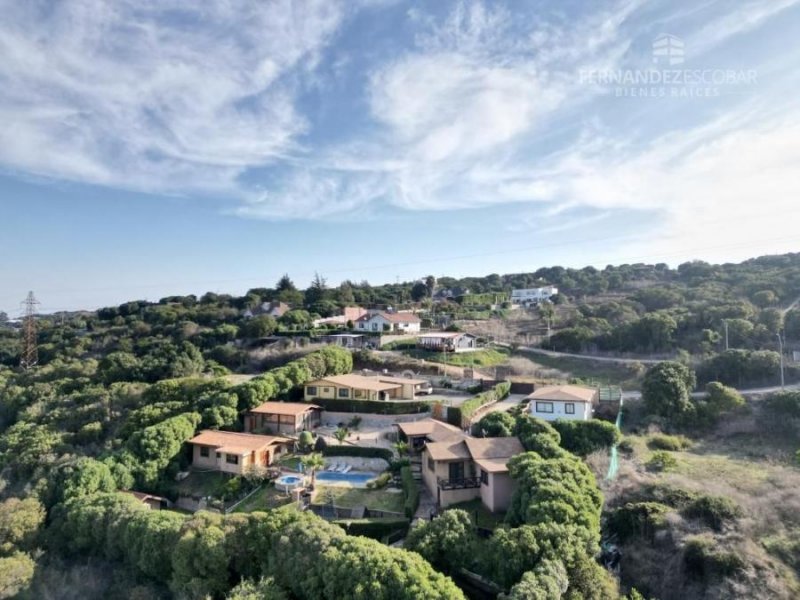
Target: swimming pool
[(287, 483), (354, 478)]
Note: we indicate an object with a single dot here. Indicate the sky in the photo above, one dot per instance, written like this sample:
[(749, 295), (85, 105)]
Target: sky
[(154, 148)]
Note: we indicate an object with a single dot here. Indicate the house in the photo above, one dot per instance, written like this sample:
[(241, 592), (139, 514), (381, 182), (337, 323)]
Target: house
[(458, 470), (349, 314), (389, 321), (530, 296), (359, 387), (273, 309), (445, 294), (346, 340), (151, 501), (282, 417), (573, 402), (234, 452), (418, 433), (447, 341)]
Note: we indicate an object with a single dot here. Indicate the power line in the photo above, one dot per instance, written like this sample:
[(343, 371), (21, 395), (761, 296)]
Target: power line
[(30, 351)]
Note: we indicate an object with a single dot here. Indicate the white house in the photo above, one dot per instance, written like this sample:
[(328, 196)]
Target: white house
[(573, 402), (385, 321), (533, 295)]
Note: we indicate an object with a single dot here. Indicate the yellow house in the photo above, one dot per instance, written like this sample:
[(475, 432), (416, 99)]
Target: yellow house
[(234, 452), (458, 470), (359, 387)]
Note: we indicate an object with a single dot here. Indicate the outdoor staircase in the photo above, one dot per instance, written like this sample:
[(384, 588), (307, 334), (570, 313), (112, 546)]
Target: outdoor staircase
[(416, 468)]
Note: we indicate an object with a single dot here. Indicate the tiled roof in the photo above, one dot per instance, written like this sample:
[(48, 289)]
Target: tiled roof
[(393, 317), (450, 450), (283, 408), (403, 380), (231, 441), (493, 465), (434, 430), (564, 393)]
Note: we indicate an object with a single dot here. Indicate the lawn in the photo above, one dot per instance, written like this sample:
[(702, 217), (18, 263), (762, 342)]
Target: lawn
[(202, 483), (481, 516), (488, 357), (384, 499), (267, 498), (290, 462)]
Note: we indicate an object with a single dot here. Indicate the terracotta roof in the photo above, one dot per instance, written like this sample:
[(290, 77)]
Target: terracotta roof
[(444, 335), (355, 381), (284, 408), (499, 447), (434, 430), (239, 443), (564, 393), (404, 380), (493, 465), (451, 450), (144, 497)]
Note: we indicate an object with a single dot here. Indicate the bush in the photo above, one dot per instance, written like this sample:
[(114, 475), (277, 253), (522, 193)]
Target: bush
[(375, 407), (674, 443), (703, 560), (360, 451), (377, 529), (410, 491), (584, 437), (637, 519), (380, 481), (496, 424), (713, 510), (661, 460), (460, 416)]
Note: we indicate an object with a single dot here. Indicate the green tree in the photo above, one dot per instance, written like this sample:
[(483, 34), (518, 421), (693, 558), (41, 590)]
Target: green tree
[(419, 291), (313, 462), (20, 522), (341, 434), (447, 542), (497, 424), (667, 388), (584, 437), (264, 589), (258, 327), (16, 573)]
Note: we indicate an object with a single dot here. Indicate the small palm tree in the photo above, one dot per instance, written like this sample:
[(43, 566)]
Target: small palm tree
[(402, 448), (313, 462), (341, 434)]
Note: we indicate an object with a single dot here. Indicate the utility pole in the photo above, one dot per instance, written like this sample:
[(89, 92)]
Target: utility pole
[(780, 345), (30, 352), (726, 333)]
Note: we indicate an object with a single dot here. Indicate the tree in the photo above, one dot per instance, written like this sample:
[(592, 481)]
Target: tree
[(305, 440), (264, 589), (765, 298), (666, 390), (547, 581), (497, 424), (317, 291), (430, 284), (287, 292), (16, 573), (584, 437), (447, 542), (20, 521), (341, 434), (258, 327), (419, 291), (401, 448), (313, 462)]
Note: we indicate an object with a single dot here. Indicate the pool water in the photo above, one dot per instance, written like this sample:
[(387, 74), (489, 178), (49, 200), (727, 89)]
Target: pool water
[(290, 479), (354, 478)]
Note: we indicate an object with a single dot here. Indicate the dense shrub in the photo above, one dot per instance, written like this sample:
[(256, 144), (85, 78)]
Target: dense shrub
[(637, 519), (460, 415), (375, 407), (584, 437), (410, 492), (674, 443), (447, 542), (380, 481), (361, 451), (495, 424), (713, 510), (704, 560), (661, 460)]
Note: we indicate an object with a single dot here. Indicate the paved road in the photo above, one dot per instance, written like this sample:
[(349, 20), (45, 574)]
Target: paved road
[(611, 359), (632, 395)]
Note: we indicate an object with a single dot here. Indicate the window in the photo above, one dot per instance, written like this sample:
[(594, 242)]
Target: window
[(457, 470), (344, 393), (204, 451), (544, 407), (569, 408), (311, 390), (358, 393), (484, 477), (431, 464), (232, 459)]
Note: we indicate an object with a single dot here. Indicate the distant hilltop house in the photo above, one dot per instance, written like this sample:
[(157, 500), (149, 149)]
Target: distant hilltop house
[(349, 313), (346, 340), (389, 321), (573, 402), (458, 468), (447, 341), (359, 387), (231, 452), (282, 417), (529, 296), (445, 294), (273, 309)]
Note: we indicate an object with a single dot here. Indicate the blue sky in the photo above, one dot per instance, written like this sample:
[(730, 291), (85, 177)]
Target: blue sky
[(149, 149)]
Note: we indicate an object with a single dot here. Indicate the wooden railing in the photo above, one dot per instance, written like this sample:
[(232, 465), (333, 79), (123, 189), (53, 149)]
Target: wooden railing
[(459, 484)]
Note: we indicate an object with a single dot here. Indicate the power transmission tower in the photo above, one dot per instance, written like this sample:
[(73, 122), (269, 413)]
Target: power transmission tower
[(30, 352)]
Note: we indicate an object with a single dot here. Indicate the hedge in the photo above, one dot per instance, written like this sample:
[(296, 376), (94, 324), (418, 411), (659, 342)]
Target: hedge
[(376, 407), (361, 451), (377, 529), (460, 415), (411, 492)]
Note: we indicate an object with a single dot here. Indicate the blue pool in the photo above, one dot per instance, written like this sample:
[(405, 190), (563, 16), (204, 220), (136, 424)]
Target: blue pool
[(354, 478)]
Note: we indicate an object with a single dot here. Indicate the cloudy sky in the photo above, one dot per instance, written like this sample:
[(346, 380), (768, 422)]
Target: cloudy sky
[(148, 150)]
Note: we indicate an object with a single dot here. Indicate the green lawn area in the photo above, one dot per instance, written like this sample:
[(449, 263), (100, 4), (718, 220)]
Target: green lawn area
[(488, 357), (481, 516), (290, 462), (202, 483), (348, 497), (266, 498)]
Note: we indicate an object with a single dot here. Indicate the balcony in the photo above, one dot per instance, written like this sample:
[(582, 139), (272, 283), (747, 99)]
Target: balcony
[(459, 484)]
